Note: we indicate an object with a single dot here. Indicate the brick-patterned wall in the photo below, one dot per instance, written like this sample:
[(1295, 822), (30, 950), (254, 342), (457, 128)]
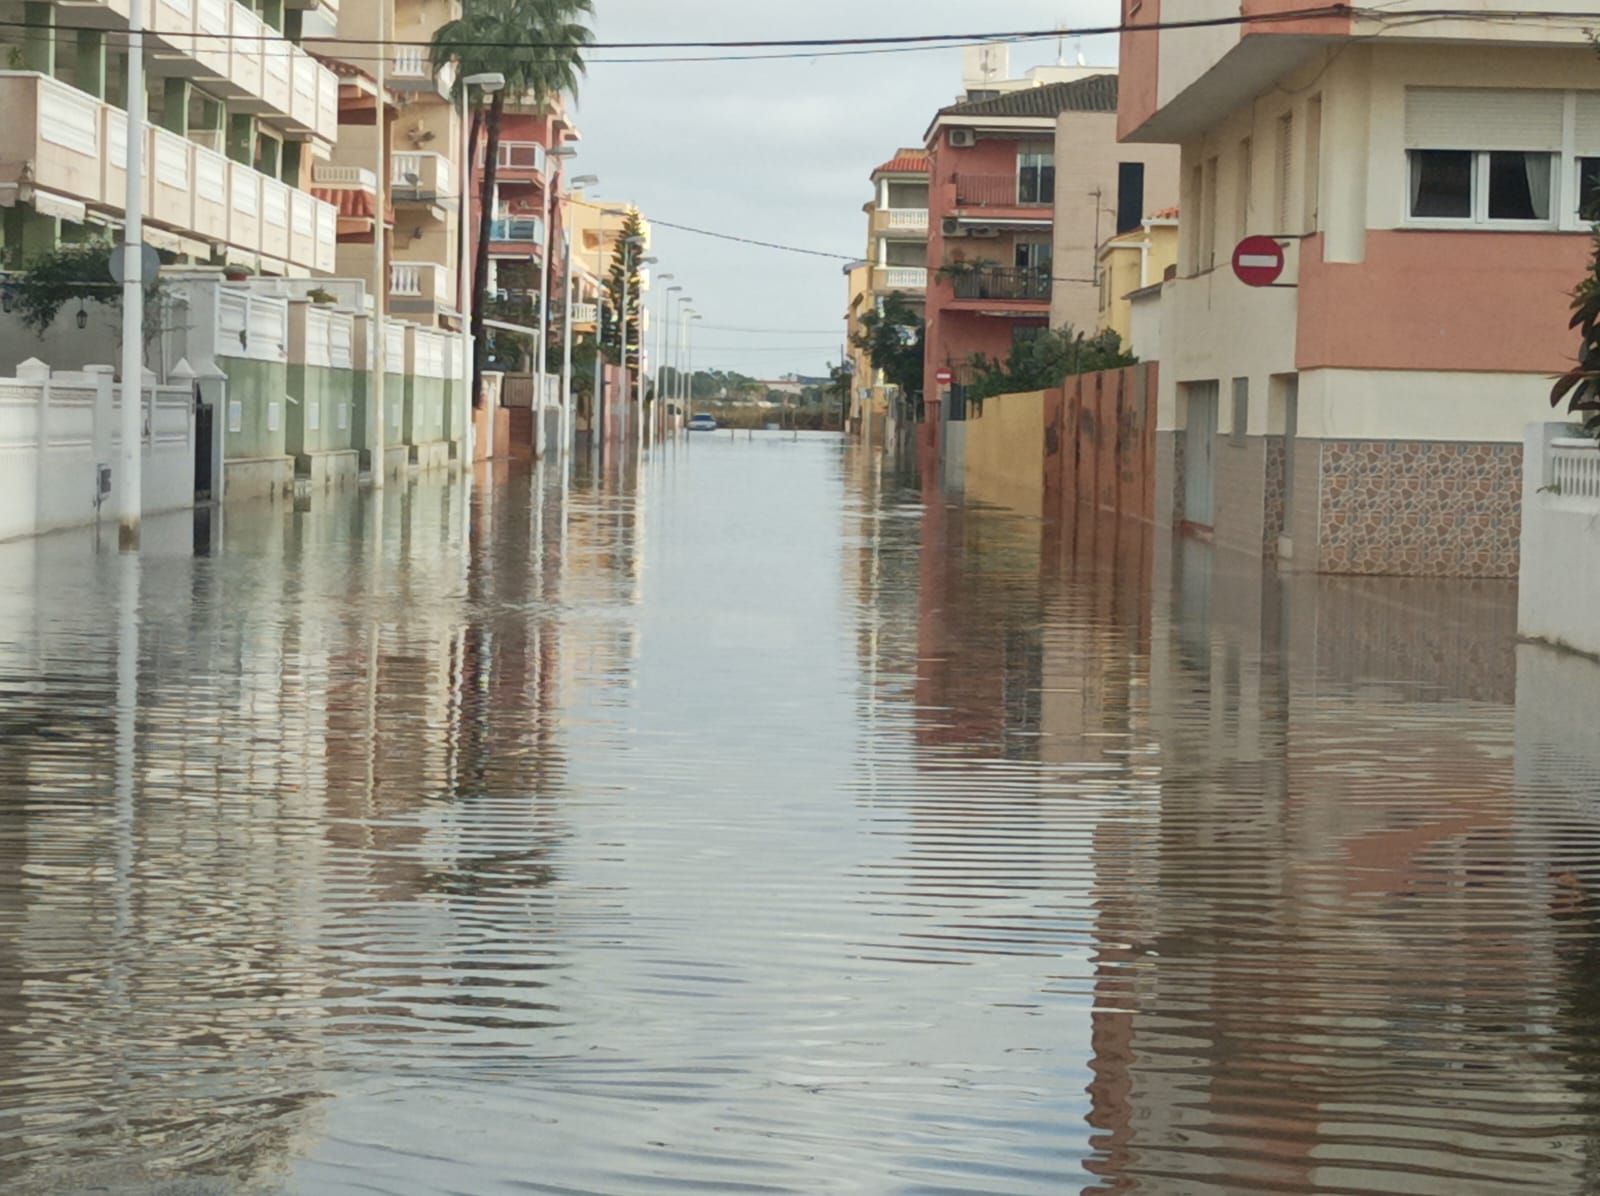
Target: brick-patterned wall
[(1419, 508), (1239, 497)]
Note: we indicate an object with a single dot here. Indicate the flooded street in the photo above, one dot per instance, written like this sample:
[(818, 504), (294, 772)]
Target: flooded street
[(742, 822)]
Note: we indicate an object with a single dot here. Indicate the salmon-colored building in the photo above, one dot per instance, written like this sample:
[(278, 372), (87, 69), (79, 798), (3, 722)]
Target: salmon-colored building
[(1025, 186), (1430, 182)]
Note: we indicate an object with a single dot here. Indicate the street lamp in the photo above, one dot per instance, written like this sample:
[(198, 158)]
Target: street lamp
[(488, 82), (559, 153), (694, 318), (684, 311), (567, 423), (638, 382), (660, 356)]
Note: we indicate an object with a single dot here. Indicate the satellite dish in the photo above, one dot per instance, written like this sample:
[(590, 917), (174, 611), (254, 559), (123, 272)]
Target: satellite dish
[(149, 264)]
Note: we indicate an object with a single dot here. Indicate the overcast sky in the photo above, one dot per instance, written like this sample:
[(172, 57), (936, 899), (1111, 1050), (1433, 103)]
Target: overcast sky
[(778, 150)]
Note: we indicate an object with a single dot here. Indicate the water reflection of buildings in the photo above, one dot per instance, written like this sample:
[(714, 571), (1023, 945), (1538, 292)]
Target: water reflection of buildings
[(244, 787), (1328, 942)]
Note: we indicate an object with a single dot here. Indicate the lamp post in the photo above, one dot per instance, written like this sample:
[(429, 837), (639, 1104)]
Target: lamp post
[(684, 314), (660, 355), (559, 153), (130, 462), (487, 82), (694, 317), (638, 382), (567, 425)]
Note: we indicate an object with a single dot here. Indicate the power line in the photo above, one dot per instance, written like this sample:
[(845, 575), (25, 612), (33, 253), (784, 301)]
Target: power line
[(706, 232)]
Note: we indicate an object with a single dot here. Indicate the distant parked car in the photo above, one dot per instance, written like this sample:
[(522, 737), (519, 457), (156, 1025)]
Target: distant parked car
[(702, 422)]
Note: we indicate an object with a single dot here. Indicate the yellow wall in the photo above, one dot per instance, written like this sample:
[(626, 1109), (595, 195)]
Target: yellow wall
[(1125, 267), (1005, 452)]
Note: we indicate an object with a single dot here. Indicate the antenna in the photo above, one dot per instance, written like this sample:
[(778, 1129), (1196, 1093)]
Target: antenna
[(1081, 60), (1061, 43)]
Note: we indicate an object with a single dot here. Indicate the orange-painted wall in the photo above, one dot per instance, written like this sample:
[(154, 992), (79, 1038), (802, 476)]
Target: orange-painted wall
[(1138, 74), (1494, 302)]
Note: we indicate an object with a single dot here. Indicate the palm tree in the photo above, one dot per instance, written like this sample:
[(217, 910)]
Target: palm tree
[(538, 46)]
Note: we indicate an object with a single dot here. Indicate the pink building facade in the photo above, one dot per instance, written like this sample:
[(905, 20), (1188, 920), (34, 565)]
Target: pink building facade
[(1431, 184)]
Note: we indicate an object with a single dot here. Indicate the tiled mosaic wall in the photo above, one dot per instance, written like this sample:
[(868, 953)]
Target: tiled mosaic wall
[(1420, 508), (1273, 506)]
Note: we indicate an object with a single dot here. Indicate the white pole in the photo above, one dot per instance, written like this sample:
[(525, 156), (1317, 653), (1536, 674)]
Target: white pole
[(688, 357), (622, 325), (566, 337), (131, 456), (380, 272), (597, 407), (544, 314), (666, 348), (638, 382), (661, 359), (463, 289)]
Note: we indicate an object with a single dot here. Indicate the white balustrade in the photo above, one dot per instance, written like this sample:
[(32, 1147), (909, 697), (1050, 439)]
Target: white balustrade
[(908, 218), (1574, 469)]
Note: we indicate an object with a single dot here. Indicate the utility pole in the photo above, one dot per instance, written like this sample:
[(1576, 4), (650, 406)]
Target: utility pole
[(380, 269), (130, 492)]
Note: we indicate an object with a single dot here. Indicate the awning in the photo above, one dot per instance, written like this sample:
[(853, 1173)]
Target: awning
[(162, 239), (503, 326), (352, 203), (48, 203)]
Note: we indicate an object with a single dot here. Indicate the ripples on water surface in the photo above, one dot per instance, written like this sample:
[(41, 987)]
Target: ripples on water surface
[(742, 824)]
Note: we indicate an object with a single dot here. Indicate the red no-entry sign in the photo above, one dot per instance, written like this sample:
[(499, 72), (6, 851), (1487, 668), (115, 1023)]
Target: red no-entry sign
[(944, 376), (1258, 261)]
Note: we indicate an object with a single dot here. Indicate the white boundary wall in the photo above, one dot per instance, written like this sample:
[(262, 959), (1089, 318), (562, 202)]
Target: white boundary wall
[(1560, 573)]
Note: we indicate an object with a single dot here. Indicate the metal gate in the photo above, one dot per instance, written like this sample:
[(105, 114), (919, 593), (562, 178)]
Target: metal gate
[(1199, 454), (203, 481)]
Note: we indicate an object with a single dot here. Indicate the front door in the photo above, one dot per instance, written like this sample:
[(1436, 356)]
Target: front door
[(203, 432), (1199, 454)]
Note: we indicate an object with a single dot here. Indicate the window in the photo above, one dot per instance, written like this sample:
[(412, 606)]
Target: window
[(1036, 174), (1242, 200), (1478, 186), (1241, 410), (1589, 189), (1313, 182), (1130, 196), (1034, 256), (1285, 171), (1441, 184), (1191, 229), (1208, 216)]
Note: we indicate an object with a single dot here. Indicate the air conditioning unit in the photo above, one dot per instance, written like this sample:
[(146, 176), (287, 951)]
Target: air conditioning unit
[(963, 138), (983, 231), (952, 227)]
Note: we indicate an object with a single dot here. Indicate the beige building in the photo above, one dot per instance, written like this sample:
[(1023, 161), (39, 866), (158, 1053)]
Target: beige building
[(1130, 262), (422, 157), (237, 112), (1103, 189), (896, 264)]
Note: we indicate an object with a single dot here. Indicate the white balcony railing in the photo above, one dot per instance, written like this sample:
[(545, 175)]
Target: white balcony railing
[(1574, 469), (420, 171), (908, 218), (420, 280), (76, 148), (325, 174), (904, 277), (411, 62), (585, 313)]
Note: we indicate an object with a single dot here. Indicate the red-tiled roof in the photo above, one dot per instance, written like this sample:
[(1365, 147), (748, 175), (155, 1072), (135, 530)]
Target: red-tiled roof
[(1164, 214), (905, 161)]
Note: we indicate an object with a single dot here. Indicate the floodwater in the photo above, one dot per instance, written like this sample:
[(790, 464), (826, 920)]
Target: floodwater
[(745, 821)]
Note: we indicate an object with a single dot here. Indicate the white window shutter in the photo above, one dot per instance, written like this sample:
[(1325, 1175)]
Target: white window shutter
[(1480, 118)]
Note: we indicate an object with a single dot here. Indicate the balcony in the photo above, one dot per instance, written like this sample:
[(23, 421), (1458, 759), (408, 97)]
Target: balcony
[(520, 160), (993, 191), (900, 278), (911, 222), (421, 177), (1028, 286), (427, 282), (585, 313), (229, 48), (76, 148), (350, 178), (520, 230)]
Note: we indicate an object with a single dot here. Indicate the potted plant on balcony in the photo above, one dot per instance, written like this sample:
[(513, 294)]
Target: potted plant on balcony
[(234, 273), (320, 296)]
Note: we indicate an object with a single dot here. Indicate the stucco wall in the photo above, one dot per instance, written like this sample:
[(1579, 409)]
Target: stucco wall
[(1560, 567), (1087, 155), (259, 388), (1005, 452)]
